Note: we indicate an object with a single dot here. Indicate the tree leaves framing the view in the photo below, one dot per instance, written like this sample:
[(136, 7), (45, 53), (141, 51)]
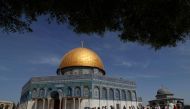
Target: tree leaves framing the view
[(158, 23)]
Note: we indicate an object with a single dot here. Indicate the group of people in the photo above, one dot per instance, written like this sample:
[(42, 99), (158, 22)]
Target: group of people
[(178, 105)]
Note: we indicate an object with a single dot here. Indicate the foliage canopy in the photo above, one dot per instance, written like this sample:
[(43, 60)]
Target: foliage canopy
[(157, 23)]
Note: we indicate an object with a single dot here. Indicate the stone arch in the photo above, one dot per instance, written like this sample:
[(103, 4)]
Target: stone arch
[(86, 92), (117, 94), (77, 91), (39, 104), (124, 107), (123, 95), (97, 92), (111, 107), (129, 96), (104, 93), (54, 94), (111, 94), (55, 99), (6, 106), (50, 91)]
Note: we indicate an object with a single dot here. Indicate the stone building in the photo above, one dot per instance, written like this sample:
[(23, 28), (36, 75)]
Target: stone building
[(80, 83), (6, 104), (164, 97)]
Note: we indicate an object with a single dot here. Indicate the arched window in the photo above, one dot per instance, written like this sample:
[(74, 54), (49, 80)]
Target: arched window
[(42, 92), (34, 93), (86, 92), (96, 92), (123, 95), (129, 95), (77, 91), (49, 89), (54, 95), (69, 91), (111, 94), (104, 93), (117, 94), (134, 96), (29, 94)]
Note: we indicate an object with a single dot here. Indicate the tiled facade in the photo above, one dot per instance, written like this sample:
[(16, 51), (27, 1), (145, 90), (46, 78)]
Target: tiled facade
[(88, 86), (81, 83)]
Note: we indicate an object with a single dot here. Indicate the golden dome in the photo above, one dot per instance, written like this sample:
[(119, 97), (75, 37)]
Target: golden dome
[(81, 57)]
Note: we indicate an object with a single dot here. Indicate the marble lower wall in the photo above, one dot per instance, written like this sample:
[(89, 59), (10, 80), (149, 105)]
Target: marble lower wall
[(82, 104), (107, 104)]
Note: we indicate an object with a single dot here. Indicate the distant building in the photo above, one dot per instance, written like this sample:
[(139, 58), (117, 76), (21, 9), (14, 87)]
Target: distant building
[(140, 103), (164, 97), (6, 104), (80, 84)]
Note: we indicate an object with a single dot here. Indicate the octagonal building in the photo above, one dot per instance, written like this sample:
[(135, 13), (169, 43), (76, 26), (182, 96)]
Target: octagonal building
[(80, 83)]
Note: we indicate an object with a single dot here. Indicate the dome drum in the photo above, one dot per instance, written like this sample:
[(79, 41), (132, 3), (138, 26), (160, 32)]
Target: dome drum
[(80, 70)]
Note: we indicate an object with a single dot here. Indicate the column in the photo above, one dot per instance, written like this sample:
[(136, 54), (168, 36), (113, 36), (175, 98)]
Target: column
[(60, 102), (73, 91), (4, 106), (114, 98), (100, 96), (36, 103), (92, 91), (44, 102), (107, 97), (79, 103), (52, 103), (82, 90), (65, 103), (49, 103), (11, 106), (136, 99), (120, 96), (46, 92), (73, 103), (131, 97), (126, 98), (100, 92)]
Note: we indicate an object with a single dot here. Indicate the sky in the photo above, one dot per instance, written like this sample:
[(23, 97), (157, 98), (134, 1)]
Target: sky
[(39, 53)]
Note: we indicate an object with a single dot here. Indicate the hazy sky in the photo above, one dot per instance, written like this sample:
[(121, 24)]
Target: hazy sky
[(23, 56)]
